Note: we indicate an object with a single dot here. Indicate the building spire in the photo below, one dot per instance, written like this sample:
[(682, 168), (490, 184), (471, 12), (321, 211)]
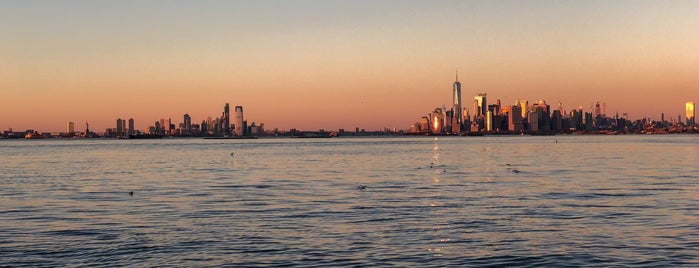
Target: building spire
[(457, 74)]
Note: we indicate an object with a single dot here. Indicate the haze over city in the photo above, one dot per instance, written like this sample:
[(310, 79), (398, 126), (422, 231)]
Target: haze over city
[(337, 64)]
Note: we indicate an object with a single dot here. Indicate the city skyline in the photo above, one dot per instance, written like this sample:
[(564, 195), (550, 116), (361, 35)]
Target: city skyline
[(334, 64)]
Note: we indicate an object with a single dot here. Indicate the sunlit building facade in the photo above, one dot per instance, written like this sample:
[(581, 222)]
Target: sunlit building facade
[(437, 121), (70, 128), (689, 107), (480, 105), (239, 123), (524, 104)]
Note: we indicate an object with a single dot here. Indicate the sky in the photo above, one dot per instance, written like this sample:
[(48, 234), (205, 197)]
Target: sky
[(337, 64)]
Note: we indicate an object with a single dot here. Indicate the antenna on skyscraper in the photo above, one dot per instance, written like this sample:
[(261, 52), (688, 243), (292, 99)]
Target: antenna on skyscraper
[(457, 74)]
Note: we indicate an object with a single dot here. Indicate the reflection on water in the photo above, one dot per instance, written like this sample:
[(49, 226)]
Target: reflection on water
[(429, 201)]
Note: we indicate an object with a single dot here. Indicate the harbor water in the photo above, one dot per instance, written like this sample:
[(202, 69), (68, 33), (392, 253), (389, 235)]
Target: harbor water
[(590, 201)]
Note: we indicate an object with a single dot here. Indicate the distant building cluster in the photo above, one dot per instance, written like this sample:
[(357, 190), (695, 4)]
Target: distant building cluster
[(538, 117), (210, 127)]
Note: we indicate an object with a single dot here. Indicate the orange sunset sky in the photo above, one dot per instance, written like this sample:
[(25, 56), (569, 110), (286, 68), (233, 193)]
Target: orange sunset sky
[(337, 64)]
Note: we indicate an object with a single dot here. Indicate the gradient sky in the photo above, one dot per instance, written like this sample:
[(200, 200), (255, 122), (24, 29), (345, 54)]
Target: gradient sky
[(337, 64)]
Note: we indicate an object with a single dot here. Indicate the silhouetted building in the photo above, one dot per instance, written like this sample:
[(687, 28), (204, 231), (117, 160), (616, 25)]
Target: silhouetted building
[(226, 120), (132, 128), (557, 121), (187, 124), (588, 121), (576, 117), (514, 118), (120, 127), (543, 122), (448, 121)]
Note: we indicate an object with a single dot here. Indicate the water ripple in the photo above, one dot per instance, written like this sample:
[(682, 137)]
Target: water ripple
[(278, 202)]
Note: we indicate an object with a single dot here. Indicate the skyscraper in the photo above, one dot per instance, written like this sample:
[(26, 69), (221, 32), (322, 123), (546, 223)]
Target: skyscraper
[(524, 104), (70, 128), (227, 120), (437, 117), (456, 100), (690, 114), (161, 127), (514, 119), (187, 124), (239, 125), (120, 126), (132, 129), (480, 104)]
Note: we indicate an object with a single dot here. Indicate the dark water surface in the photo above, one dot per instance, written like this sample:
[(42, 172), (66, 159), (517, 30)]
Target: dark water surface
[(429, 202)]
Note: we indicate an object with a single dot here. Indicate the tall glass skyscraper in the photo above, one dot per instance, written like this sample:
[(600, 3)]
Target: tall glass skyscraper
[(690, 114), (187, 124), (239, 124), (227, 120), (456, 98), (480, 104)]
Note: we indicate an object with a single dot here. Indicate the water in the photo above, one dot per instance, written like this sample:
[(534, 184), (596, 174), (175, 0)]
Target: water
[(429, 202)]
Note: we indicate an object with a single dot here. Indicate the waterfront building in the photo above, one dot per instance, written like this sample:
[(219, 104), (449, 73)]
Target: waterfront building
[(120, 127), (239, 122), (132, 129), (70, 128), (690, 112), (423, 125), (437, 117)]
